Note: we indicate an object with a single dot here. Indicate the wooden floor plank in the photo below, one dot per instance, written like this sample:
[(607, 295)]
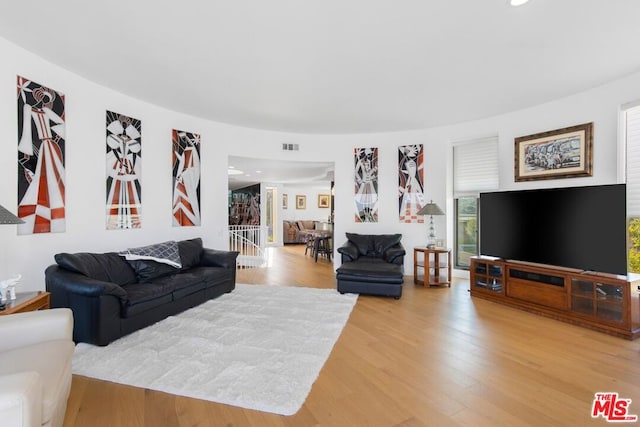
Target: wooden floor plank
[(436, 357)]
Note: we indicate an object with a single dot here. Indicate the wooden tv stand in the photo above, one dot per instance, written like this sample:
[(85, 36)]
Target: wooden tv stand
[(604, 302)]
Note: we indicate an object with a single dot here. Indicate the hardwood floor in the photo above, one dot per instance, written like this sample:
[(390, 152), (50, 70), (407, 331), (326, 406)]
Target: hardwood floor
[(436, 357)]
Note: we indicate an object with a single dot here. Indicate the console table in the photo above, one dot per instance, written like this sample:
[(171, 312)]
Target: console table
[(605, 302), (431, 266)]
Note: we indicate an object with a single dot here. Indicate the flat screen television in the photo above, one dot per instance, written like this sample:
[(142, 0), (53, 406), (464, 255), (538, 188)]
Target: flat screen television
[(578, 227)]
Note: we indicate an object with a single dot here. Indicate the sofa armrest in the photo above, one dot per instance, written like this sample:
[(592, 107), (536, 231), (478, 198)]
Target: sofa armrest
[(349, 252), (21, 399), (395, 254), (218, 258), (24, 329), (59, 279), (96, 305)]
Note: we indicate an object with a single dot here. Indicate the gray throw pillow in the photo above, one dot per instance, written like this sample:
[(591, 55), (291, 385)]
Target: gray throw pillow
[(165, 253)]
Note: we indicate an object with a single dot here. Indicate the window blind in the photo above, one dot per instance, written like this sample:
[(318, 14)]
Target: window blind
[(632, 131), (475, 167)]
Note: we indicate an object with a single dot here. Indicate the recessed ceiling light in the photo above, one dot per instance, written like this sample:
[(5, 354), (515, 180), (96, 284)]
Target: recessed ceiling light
[(517, 2), (232, 171)]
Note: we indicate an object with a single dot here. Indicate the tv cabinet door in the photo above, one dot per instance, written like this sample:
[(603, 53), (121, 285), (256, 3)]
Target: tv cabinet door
[(601, 300), (487, 276)]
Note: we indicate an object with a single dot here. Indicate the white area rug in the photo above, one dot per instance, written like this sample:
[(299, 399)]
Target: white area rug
[(259, 347)]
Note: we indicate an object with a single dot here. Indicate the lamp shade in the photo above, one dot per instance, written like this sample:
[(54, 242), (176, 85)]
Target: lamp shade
[(430, 209), (7, 217)]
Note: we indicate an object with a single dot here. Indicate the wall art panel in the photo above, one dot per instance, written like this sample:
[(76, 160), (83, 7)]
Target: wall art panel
[(410, 183), (186, 178), (41, 158), (366, 184), (124, 190)]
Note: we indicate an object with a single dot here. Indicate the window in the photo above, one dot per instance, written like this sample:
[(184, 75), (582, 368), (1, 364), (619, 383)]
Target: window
[(475, 169), (466, 229), (631, 126)]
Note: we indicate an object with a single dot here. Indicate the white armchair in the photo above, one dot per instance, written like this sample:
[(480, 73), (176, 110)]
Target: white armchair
[(36, 350)]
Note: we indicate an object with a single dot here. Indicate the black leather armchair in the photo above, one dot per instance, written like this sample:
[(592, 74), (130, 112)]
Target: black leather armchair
[(371, 264)]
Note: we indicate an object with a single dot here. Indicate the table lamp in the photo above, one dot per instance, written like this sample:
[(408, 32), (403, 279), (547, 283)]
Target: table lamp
[(431, 209)]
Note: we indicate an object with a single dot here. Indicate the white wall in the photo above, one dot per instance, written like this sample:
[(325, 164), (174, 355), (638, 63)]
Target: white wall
[(86, 103), (312, 211)]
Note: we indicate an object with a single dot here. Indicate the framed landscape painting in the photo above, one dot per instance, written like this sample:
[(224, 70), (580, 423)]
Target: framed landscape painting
[(560, 153), (323, 200)]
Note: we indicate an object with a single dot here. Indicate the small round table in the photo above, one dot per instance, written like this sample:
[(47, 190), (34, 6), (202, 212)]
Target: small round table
[(434, 266)]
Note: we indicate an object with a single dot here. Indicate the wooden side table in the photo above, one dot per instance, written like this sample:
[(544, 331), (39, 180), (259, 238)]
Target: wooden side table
[(434, 266), (27, 301)]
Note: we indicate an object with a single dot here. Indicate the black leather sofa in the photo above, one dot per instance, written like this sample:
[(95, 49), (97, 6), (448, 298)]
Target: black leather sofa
[(371, 264), (111, 297)]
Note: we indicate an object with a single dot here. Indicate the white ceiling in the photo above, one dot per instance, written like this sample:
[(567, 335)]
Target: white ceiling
[(335, 66), (278, 172)]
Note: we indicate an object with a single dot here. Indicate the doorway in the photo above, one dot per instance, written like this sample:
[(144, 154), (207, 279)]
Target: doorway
[(286, 190)]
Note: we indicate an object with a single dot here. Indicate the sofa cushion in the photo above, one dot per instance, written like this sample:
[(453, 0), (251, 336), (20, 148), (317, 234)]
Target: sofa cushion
[(107, 267), (382, 242), (52, 361), (395, 254), (194, 280), (188, 283), (364, 242), (190, 252), (144, 296), (373, 270), (165, 252)]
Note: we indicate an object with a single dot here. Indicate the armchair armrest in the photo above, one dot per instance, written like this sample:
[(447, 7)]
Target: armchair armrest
[(349, 252), (21, 399), (218, 258), (395, 254), (24, 329)]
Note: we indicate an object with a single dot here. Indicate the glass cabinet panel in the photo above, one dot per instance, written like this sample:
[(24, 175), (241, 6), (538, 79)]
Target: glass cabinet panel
[(600, 300)]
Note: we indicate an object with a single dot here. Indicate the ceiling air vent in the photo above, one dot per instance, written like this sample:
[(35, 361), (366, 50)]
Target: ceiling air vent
[(290, 147)]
